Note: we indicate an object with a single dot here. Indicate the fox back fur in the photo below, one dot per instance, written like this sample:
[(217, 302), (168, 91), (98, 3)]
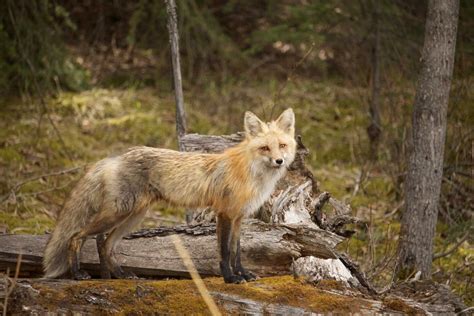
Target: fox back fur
[(114, 194)]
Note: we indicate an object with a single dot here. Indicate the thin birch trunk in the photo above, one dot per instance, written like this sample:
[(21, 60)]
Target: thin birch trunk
[(178, 85), (374, 130)]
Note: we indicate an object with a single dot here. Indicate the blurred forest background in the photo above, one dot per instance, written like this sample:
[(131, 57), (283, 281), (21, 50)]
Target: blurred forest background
[(84, 79)]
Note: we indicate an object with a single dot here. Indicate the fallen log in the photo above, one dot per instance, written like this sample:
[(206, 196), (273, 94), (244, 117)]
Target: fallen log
[(268, 296), (267, 250)]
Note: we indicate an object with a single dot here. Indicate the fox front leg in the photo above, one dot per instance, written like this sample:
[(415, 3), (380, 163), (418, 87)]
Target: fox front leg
[(224, 230), (235, 255)]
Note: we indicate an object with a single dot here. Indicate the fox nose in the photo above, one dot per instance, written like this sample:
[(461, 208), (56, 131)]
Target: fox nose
[(279, 161)]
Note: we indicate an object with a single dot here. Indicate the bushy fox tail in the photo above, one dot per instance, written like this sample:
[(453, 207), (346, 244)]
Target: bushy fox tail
[(72, 220), (55, 261)]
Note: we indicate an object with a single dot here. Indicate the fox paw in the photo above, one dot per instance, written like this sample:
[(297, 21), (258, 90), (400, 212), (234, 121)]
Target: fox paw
[(81, 275), (236, 279), (121, 274), (249, 276), (130, 275)]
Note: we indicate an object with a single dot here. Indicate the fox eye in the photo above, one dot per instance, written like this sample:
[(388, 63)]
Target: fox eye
[(265, 148), (282, 145)]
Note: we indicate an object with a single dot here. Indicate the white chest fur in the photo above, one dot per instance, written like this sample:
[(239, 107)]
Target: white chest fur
[(264, 185)]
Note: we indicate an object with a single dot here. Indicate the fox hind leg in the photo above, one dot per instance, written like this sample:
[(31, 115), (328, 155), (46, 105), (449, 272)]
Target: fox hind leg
[(110, 262), (104, 271), (237, 267), (75, 247), (101, 224)]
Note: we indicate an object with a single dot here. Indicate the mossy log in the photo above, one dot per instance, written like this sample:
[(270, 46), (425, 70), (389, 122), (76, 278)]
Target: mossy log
[(268, 296)]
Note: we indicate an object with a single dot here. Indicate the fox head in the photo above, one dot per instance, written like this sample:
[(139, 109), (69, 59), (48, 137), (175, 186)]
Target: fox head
[(272, 144)]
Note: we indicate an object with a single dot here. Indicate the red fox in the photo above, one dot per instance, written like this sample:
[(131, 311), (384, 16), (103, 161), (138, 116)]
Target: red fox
[(113, 196)]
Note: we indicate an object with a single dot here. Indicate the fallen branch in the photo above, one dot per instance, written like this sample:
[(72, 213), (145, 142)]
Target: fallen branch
[(17, 186), (453, 249), (357, 273), (9, 288), (317, 209)]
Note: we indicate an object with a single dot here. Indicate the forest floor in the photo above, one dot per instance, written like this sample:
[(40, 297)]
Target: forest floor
[(268, 296), (79, 128)]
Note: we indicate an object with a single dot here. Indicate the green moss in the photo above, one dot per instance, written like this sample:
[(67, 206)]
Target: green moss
[(181, 296), (456, 260), (10, 155), (397, 304), (162, 297), (287, 290), (331, 285), (32, 224)]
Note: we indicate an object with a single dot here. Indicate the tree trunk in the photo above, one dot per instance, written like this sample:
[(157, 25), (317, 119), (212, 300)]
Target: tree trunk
[(425, 164), (374, 130), (178, 86)]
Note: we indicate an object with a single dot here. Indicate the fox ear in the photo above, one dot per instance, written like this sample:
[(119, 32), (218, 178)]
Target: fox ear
[(252, 124), (286, 122)]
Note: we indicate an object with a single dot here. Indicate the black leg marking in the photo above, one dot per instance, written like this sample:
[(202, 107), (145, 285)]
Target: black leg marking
[(237, 265), (104, 270), (224, 226)]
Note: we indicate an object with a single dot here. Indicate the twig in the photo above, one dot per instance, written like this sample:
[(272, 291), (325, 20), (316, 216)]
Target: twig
[(357, 273), (385, 261), (465, 310), (395, 210), (317, 209), (453, 249), (370, 236), (362, 176), (17, 186), (357, 183), (9, 290), (48, 190)]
